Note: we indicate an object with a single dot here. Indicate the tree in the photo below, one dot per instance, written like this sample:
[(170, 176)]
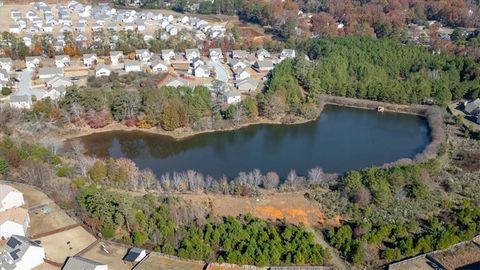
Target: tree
[(271, 180), (4, 167), (174, 115), (6, 91), (125, 105), (98, 171)]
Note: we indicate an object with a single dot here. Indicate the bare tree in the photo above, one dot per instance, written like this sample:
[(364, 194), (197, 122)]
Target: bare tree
[(316, 176), (271, 180)]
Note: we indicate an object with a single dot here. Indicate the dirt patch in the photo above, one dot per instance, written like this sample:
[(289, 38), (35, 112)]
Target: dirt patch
[(156, 261), (67, 243), (456, 258), (291, 206), (468, 161), (48, 218), (113, 258)]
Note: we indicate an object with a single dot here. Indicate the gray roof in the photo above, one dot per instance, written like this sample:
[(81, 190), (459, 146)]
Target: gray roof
[(473, 106), (239, 53), (20, 98), (79, 263), (132, 63), (190, 51), (98, 67), (17, 246), (50, 71), (5, 60), (264, 64), (133, 254)]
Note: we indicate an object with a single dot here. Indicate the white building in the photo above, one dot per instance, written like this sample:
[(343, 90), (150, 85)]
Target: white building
[(191, 54), (50, 72), (10, 198), (89, 59), (6, 63), (62, 61), (20, 101), (21, 253), (32, 62), (232, 97), (102, 70), (241, 74), (287, 53), (132, 66), (115, 57), (159, 66), (215, 54), (58, 81), (168, 55), (202, 71), (14, 221), (143, 55), (135, 255)]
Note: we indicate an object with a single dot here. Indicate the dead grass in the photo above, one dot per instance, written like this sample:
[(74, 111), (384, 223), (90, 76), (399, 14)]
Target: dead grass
[(32, 196), (57, 249), (291, 206), (457, 257), (54, 219), (113, 258), (156, 261)]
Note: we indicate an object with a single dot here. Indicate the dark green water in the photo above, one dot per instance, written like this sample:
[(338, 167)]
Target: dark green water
[(340, 140)]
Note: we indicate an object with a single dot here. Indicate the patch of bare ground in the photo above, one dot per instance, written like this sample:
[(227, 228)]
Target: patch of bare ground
[(459, 257), (290, 206)]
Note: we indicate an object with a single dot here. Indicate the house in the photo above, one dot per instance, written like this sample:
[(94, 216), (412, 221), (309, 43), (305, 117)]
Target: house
[(232, 97), (32, 62), (79, 263), (239, 54), (263, 65), (58, 81), (102, 70), (197, 62), (168, 55), (21, 253), (50, 72), (143, 55), (184, 20), (172, 30), (235, 64), (215, 54), (177, 82), (202, 71), (190, 54), (262, 54), (115, 57), (55, 93), (248, 84), (14, 29), (27, 40), (473, 107), (4, 75), (89, 60), (135, 255), (48, 28), (20, 101), (159, 66), (14, 221), (241, 74), (10, 198), (132, 66), (62, 61), (6, 63), (287, 53)]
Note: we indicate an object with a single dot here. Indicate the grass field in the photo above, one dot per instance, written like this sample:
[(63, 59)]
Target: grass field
[(155, 261)]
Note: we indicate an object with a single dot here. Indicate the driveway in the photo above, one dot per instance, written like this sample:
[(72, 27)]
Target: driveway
[(220, 71), (24, 85)]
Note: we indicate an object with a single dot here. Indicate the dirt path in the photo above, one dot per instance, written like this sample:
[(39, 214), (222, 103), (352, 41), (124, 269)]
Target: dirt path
[(337, 262)]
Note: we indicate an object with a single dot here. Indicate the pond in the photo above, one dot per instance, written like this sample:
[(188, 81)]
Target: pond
[(341, 139)]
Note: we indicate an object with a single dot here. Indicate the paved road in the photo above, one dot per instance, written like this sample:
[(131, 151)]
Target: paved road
[(221, 72), (24, 85)]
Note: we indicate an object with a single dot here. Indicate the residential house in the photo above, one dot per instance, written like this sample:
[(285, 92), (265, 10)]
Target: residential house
[(143, 55), (287, 53), (473, 107), (135, 255), (115, 57), (89, 60), (55, 93), (247, 85), (197, 62), (58, 81), (241, 74), (10, 198), (48, 28), (191, 54), (21, 253), (50, 72), (62, 61), (140, 26), (33, 30), (176, 82), (80, 263), (81, 27), (239, 54), (132, 66), (184, 20), (4, 77), (6, 63), (202, 71), (168, 55), (159, 66), (263, 65), (232, 97), (262, 54), (59, 45), (14, 29), (32, 62), (20, 101), (102, 70), (27, 40), (129, 27), (14, 221), (171, 29), (236, 64), (215, 54)]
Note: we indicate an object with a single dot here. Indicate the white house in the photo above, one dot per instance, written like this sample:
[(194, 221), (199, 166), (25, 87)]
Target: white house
[(190, 54), (21, 253), (32, 62), (89, 59), (55, 93), (239, 54), (6, 63), (232, 97), (197, 62), (215, 54), (168, 55), (159, 66), (14, 29), (135, 255), (176, 82), (10, 198), (263, 65), (20, 101), (102, 70), (58, 81), (287, 53), (143, 55), (235, 64), (132, 66), (248, 84), (241, 74), (202, 71), (184, 20), (80, 263), (48, 28), (50, 72), (62, 61), (172, 30), (14, 221), (4, 77), (115, 57)]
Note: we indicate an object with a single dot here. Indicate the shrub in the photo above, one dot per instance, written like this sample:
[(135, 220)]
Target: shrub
[(6, 91)]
